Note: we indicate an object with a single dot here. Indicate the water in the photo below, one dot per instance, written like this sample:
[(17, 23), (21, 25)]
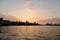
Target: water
[(30, 33)]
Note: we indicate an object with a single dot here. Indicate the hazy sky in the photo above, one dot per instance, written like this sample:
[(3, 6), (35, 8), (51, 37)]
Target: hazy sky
[(31, 9)]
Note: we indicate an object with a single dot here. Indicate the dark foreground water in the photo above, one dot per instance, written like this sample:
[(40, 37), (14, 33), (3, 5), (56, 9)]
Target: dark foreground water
[(30, 33)]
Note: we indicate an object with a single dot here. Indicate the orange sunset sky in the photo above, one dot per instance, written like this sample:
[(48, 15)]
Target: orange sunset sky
[(30, 10)]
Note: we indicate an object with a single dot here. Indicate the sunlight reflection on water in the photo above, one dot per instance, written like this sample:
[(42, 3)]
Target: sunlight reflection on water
[(30, 33)]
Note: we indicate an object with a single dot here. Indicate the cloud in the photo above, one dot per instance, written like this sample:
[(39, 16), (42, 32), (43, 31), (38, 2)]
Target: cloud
[(11, 18), (30, 10), (28, 7), (51, 20)]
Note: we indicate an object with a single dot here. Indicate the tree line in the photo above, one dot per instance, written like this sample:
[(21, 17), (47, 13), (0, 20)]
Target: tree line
[(8, 22)]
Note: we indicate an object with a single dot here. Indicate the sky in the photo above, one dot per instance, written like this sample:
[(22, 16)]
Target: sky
[(30, 10)]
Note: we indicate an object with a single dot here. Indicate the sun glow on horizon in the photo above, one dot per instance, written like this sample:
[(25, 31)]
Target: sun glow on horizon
[(29, 12)]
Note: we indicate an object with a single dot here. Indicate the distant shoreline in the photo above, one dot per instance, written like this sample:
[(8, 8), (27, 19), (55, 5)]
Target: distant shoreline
[(29, 25), (18, 23), (8, 23)]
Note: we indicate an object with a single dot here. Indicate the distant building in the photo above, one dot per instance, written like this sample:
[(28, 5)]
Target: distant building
[(1, 18)]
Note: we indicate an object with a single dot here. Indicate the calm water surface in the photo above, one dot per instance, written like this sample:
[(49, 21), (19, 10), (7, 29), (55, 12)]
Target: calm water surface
[(30, 33)]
